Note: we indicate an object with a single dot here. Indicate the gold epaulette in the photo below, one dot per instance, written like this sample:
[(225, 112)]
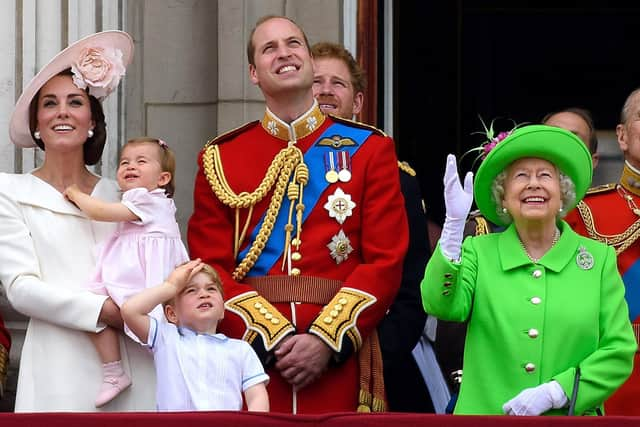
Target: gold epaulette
[(260, 317), (230, 134), (339, 318), (404, 167), (357, 124), (602, 188)]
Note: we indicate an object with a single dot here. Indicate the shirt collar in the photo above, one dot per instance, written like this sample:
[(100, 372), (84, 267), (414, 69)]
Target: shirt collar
[(512, 254), (188, 332), (298, 129)]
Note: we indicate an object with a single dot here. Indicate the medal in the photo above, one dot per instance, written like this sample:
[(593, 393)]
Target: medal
[(584, 259), (339, 206), (344, 162), (340, 247), (331, 175)]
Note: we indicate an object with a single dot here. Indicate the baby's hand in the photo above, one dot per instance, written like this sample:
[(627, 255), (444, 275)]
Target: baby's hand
[(71, 192), (183, 273)]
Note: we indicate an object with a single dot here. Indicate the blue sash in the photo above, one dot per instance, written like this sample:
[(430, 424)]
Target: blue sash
[(631, 279), (314, 159)]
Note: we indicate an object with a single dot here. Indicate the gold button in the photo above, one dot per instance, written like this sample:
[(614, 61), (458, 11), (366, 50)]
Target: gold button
[(275, 321), (328, 320), (295, 271), (537, 274), (257, 305), (296, 242), (296, 256), (529, 367), (446, 292), (342, 301), (337, 307), (333, 313), (536, 300), (268, 316), (533, 333), (263, 310)]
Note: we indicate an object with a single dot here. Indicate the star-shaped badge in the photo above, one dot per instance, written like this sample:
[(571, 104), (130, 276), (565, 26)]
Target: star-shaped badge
[(340, 205), (340, 247)]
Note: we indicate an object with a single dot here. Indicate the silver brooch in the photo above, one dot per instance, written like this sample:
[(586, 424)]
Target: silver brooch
[(340, 247), (584, 259), (339, 205)]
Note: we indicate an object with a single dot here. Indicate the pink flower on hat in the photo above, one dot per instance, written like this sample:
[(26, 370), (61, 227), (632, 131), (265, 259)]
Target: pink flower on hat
[(100, 69), (490, 140)]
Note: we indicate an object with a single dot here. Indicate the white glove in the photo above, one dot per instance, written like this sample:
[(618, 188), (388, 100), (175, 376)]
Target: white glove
[(536, 400), (458, 201)]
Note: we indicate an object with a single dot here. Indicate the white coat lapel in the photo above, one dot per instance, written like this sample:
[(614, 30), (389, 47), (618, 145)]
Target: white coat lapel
[(35, 192)]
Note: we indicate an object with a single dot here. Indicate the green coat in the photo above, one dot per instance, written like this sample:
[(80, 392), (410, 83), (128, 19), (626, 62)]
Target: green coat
[(533, 323)]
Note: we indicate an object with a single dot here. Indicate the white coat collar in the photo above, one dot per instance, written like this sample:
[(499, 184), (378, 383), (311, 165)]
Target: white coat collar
[(36, 192)]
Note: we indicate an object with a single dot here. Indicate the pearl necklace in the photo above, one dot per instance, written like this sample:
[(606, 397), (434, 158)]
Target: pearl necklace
[(556, 237)]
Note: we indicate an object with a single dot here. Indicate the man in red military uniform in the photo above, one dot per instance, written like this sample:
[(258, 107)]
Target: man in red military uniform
[(302, 216), (610, 213)]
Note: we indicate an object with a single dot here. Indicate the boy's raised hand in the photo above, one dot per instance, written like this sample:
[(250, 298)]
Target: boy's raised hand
[(182, 274)]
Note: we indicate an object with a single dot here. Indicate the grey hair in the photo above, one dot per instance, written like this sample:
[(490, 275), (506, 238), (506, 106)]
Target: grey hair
[(628, 104), (567, 195)]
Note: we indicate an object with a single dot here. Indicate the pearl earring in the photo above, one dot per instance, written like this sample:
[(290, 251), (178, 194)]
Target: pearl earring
[(36, 134), (560, 210), (504, 210), (90, 133)]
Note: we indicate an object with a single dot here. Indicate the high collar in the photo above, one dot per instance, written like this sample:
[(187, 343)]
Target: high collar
[(298, 129), (630, 179)]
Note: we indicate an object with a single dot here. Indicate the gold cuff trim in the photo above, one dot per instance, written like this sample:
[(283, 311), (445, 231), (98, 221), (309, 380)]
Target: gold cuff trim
[(260, 317), (306, 289), (339, 318)]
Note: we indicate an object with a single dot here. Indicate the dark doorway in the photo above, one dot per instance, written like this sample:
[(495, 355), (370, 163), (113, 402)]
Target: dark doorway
[(457, 60)]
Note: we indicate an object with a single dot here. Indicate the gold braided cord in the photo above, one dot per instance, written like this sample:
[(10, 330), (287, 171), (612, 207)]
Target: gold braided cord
[(619, 241), (302, 178), (278, 173), (482, 226)]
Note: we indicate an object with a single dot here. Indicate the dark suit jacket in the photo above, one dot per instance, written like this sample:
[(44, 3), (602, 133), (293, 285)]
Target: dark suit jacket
[(402, 326)]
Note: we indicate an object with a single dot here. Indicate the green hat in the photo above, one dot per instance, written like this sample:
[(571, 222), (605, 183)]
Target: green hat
[(558, 146)]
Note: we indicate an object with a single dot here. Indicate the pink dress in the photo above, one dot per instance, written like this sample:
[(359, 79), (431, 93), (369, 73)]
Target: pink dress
[(140, 254)]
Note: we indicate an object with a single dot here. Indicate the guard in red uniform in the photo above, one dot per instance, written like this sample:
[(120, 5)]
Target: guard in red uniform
[(611, 213), (303, 217)]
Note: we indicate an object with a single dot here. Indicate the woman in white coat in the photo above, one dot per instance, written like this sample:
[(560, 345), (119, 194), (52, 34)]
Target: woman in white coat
[(47, 245)]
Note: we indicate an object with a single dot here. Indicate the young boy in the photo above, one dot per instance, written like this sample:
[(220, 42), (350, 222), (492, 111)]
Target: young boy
[(196, 368)]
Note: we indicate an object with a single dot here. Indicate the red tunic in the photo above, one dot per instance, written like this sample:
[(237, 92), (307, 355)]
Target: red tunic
[(612, 216), (368, 278)]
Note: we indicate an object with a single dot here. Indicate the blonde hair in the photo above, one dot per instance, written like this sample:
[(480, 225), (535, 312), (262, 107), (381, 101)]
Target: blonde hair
[(209, 271), (166, 156)]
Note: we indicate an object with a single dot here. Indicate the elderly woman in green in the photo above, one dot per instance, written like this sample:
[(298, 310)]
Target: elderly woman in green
[(547, 319)]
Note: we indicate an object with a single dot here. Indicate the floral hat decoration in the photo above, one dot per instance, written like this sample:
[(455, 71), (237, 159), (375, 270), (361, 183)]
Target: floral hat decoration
[(97, 62), (491, 139)]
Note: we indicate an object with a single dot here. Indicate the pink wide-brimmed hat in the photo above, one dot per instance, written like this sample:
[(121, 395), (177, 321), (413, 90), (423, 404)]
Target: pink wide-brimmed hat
[(98, 62)]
